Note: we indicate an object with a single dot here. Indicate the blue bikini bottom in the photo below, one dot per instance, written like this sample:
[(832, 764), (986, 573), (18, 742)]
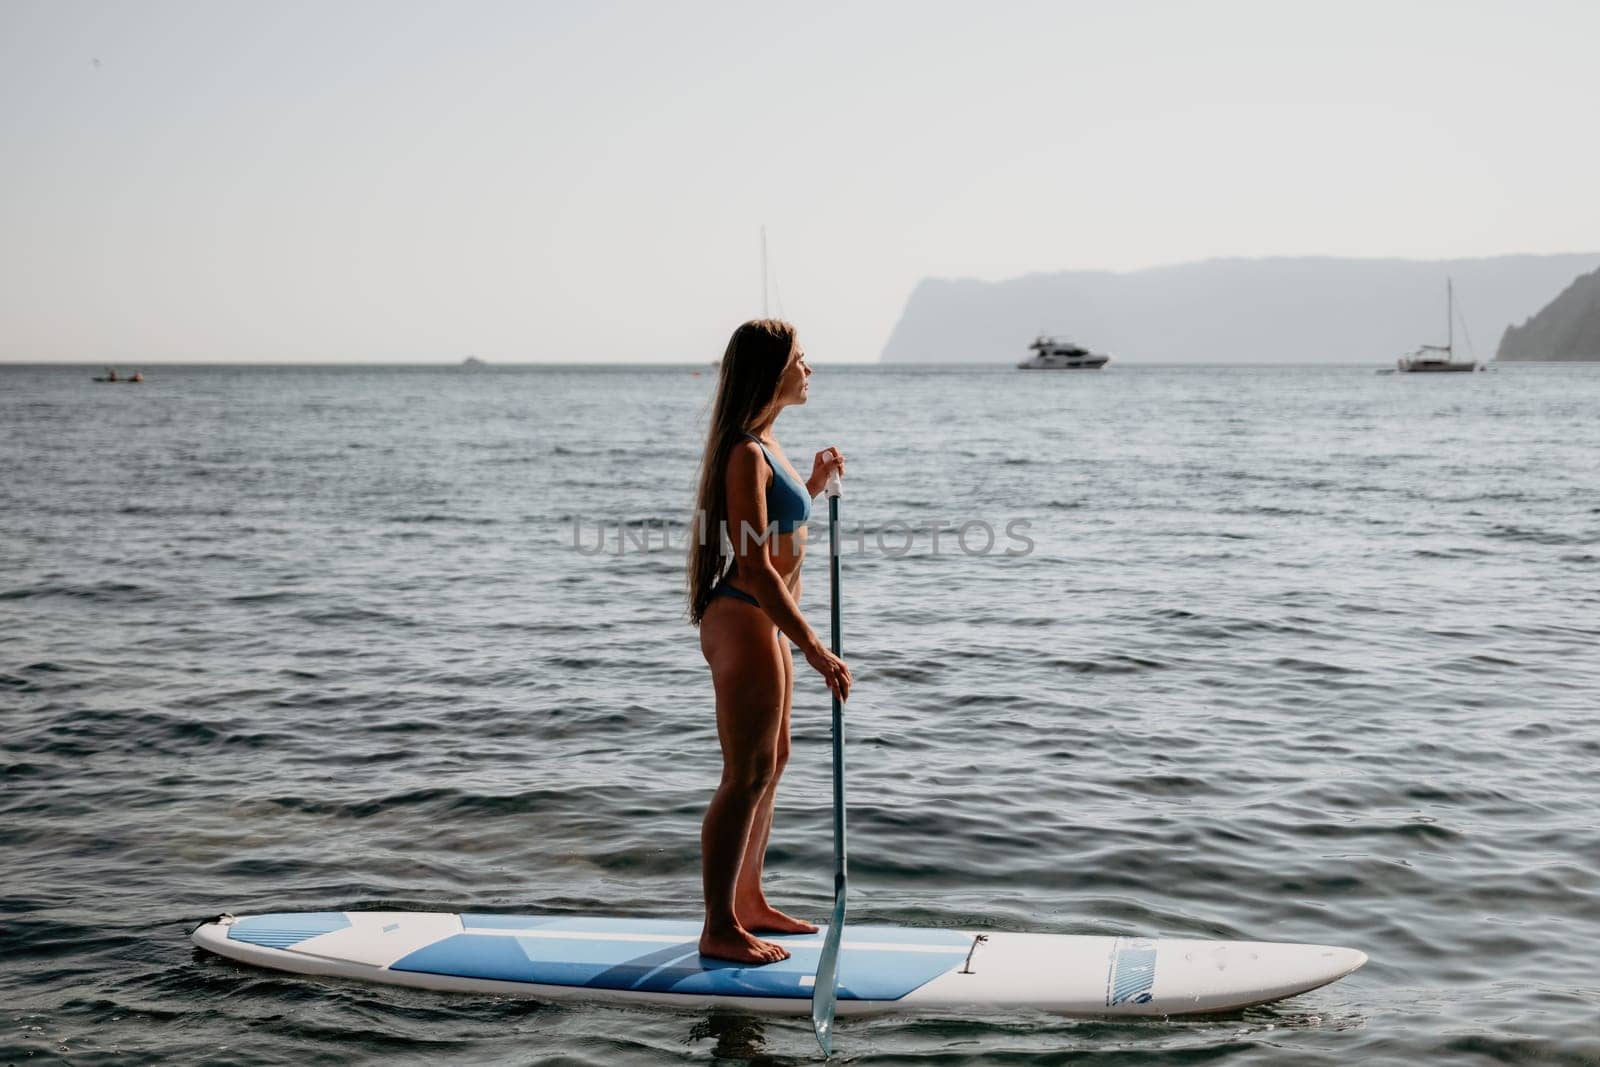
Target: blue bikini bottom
[(723, 589)]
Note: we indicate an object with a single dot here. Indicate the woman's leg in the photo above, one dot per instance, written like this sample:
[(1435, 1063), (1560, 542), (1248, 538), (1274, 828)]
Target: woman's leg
[(750, 901), (747, 674)]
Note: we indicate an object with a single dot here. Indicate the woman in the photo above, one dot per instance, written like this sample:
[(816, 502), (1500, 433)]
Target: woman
[(747, 616)]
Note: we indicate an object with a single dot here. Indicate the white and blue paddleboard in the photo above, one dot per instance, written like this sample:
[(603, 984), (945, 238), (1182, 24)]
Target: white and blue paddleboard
[(881, 968)]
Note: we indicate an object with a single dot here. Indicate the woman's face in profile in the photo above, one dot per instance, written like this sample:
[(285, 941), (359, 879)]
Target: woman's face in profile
[(793, 385)]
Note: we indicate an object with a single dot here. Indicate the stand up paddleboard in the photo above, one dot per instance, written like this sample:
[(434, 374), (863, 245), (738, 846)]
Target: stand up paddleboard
[(881, 968)]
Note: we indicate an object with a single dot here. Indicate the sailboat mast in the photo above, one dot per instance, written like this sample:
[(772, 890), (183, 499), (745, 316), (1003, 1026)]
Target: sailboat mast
[(764, 272), (1450, 316)]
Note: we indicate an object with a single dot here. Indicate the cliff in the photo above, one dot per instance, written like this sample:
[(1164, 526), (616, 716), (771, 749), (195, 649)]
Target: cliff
[(1276, 310), (1567, 329)]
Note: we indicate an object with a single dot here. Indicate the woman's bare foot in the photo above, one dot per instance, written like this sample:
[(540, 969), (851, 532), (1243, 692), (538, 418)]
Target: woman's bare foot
[(763, 918), (740, 947)]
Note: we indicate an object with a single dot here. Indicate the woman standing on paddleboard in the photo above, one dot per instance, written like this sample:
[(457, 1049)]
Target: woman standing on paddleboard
[(748, 614)]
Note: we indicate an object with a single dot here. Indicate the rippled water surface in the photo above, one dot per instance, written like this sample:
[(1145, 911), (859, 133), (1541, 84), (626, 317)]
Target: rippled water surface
[(1299, 654)]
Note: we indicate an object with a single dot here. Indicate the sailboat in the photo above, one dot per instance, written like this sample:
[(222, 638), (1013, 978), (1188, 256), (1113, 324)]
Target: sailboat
[(1439, 357)]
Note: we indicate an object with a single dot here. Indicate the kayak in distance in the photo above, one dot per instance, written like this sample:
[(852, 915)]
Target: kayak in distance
[(882, 969)]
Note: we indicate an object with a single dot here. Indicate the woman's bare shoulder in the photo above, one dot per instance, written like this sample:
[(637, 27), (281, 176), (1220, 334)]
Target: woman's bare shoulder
[(745, 457)]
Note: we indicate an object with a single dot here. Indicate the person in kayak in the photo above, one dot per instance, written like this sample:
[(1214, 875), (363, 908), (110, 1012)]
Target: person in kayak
[(748, 614)]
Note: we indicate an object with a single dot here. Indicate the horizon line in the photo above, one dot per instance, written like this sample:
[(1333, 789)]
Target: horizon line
[(681, 365)]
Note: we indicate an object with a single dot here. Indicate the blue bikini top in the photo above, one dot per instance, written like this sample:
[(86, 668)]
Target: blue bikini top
[(788, 502)]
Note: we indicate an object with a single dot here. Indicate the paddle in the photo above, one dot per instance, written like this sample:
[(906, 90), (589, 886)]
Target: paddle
[(822, 995)]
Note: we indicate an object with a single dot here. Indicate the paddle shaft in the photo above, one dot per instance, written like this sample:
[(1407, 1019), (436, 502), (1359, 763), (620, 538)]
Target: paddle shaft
[(838, 708), (823, 995)]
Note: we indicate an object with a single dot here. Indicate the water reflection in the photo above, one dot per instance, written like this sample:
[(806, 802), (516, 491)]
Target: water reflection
[(734, 1036)]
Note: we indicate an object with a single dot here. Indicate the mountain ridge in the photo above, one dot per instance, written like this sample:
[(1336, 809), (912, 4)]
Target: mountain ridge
[(1293, 309)]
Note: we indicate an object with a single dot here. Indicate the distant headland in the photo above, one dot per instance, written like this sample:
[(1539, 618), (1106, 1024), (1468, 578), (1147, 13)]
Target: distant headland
[(1566, 330)]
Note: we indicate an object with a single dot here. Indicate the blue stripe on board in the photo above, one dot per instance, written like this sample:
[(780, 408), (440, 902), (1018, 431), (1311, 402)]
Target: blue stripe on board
[(598, 924), (636, 972), (623, 965), (863, 975), (587, 923), (547, 961), (287, 929), (1133, 972)]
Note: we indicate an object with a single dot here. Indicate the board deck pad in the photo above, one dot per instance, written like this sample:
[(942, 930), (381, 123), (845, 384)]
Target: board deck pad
[(881, 968), (885, 963)]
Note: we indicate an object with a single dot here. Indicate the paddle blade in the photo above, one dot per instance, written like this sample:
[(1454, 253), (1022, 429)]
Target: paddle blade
[(824, 993)]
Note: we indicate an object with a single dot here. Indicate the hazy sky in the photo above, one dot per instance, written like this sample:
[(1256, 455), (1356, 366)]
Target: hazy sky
[(586, 181)]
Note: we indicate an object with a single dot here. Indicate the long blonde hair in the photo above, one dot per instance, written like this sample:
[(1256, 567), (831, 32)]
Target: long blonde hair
[(756, 357)]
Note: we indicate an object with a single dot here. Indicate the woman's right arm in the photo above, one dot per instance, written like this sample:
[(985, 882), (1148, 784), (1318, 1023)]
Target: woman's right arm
[(747, 529)]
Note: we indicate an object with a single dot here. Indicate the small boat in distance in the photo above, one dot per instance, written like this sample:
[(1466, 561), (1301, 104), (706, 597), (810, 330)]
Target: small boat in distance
[(1054, 353), (111, 376), (1439, 357)]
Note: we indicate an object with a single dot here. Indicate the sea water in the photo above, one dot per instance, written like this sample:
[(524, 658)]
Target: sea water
[(1294, 654)]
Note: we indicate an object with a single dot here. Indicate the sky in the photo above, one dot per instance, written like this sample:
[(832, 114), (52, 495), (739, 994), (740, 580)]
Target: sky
[(558, 182)]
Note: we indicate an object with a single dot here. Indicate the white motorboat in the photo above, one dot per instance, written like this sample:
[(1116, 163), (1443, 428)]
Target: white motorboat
[(1053, 353)]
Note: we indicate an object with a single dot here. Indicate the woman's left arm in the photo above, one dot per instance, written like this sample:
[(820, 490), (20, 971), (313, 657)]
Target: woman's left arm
[(829, 459)]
